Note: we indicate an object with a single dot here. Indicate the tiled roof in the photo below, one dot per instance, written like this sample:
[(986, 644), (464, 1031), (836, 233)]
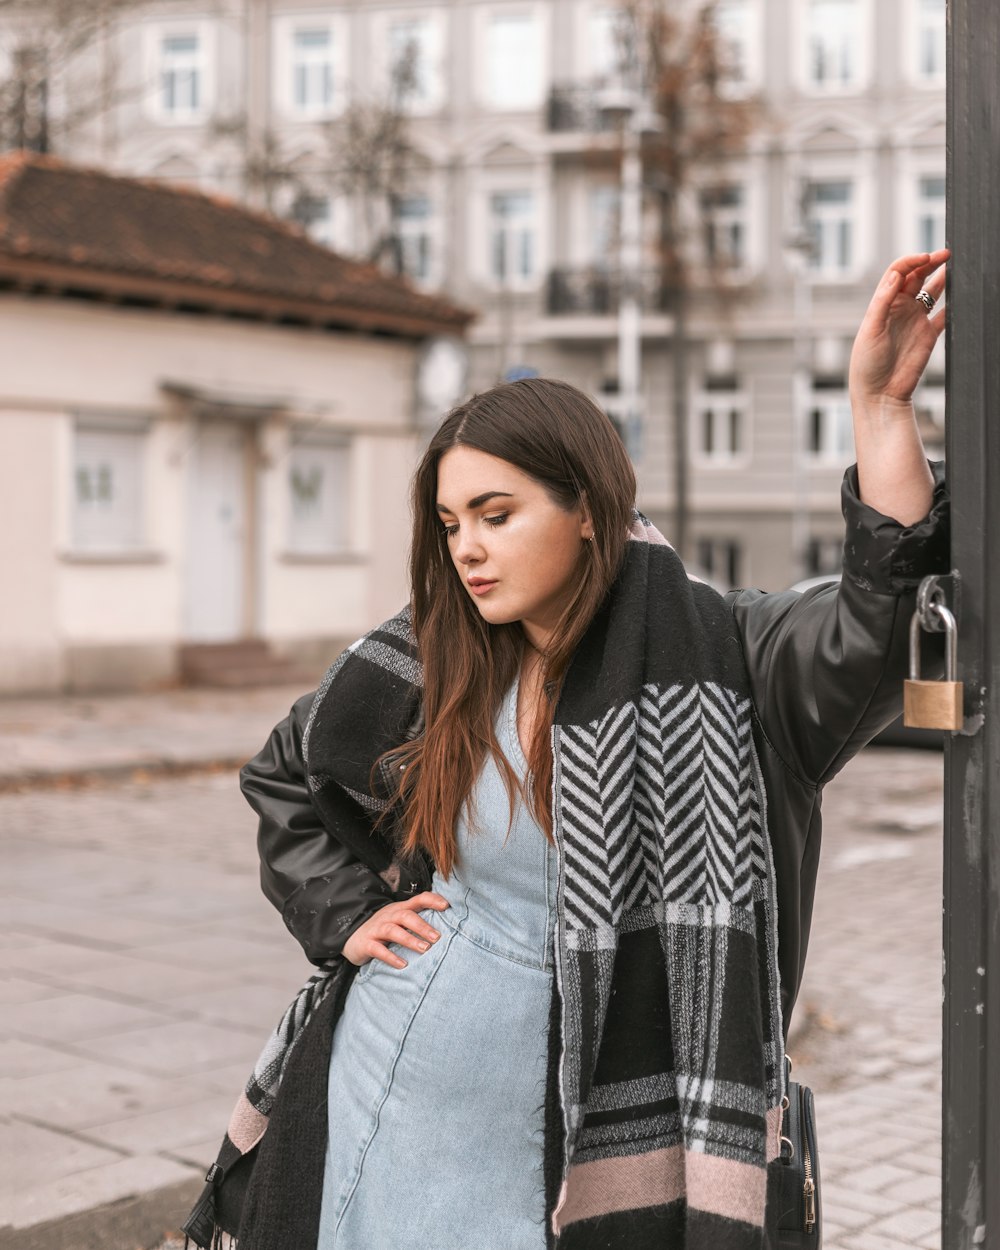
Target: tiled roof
[(66, 228)]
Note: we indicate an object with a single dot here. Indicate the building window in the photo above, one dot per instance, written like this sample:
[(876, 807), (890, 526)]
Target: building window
[(931, 212), (829, 426), (604, 226), (830, 219), (607, 45), (412, 62), (721, 560), (318, 494), (721, 435), (931, 40), (513, 60), (312, 70), (724, 226), (513, 231), (824, 556), (415, 243), (181, 76), (108, 487), (734, 29), (315, 214), (834, 44)]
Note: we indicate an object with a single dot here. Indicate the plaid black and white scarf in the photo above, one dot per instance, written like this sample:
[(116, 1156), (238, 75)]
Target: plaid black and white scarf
[(667, 1055)]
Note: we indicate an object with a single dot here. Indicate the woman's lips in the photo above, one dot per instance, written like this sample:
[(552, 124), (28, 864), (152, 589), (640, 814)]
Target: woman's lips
[(481, 588)]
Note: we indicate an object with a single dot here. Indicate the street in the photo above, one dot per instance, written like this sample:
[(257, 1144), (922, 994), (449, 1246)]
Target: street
[(145, 970)]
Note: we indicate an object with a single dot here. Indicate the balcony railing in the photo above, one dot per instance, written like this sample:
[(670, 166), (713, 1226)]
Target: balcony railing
[(577, 107), (596, 291)]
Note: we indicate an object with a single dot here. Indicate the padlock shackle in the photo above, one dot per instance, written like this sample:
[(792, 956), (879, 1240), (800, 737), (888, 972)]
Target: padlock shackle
[(950, 646)]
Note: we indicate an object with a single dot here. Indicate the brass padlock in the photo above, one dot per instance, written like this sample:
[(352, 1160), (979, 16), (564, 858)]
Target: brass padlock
[(933, 704)]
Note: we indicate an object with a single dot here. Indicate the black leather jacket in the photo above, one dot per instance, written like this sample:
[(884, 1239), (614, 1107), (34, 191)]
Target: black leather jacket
[(826, 672)]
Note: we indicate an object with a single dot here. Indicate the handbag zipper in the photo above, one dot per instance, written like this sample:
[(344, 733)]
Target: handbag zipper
[(808, 1185)]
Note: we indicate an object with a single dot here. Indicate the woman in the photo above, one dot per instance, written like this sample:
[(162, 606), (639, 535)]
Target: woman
[(552, 833)]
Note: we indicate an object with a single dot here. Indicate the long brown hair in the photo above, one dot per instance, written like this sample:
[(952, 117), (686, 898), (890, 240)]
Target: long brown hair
[(560, 438)]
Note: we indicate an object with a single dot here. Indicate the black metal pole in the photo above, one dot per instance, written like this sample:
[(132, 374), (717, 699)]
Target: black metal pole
[(971, 1103)]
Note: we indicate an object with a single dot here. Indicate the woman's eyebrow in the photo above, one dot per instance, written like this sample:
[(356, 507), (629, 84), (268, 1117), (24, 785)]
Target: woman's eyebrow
[(479, 500)]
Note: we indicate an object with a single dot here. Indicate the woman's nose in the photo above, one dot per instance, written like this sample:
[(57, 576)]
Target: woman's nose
[(467, 549)]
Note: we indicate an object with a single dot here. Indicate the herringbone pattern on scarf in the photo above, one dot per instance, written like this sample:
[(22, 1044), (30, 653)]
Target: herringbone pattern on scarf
[(659, 804)]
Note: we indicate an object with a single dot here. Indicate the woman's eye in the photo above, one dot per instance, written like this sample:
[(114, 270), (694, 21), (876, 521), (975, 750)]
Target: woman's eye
[(450, 530)]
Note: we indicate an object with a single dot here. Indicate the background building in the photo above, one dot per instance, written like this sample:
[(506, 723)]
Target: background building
[(207, 428), (509, 204)]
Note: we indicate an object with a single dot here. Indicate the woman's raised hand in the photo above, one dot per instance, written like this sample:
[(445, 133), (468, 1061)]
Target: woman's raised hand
[(396, 922), (897, 336)]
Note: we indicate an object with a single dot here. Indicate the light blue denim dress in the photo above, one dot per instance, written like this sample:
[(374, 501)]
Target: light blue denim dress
[(437, 1072)]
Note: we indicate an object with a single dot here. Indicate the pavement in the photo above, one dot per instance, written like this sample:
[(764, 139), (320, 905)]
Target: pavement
[(143, 970)]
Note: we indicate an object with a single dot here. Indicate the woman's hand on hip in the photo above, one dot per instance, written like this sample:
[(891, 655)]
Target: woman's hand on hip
[(396, 922)]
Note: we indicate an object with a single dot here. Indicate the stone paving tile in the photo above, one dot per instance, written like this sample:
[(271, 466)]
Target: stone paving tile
[(147, 983), (50, 736), (95, 1093), (178, 1048), (168, 1129), (31, 1058), (247, 1006), (70, 1017), (22, 1144), (15, 990), (53, 1196)]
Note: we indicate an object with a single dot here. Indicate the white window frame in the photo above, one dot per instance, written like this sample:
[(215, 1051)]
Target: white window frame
[(590, 256), (725, 216), (434, 235), (747, 175), (436, 51), (752, 53), (154, 35), (864, 49), (88, 433), (720, 404), (914, 48), (920, 203), (333, 447), (837, 433), (588, 67), (480, 235), (858, 172), (331, 230), (283, 29), (484, 15)]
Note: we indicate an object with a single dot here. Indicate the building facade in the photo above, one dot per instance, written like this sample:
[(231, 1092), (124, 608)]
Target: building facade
[(207, 426), (510, 206)]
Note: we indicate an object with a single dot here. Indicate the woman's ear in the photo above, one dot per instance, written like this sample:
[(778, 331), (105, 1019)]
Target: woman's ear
[(586, 522)]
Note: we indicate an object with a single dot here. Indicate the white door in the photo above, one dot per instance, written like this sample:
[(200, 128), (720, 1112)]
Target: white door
[(217, 534)]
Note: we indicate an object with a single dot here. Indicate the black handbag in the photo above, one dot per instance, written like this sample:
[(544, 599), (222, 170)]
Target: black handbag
[(794, 1215), (220, 1205)]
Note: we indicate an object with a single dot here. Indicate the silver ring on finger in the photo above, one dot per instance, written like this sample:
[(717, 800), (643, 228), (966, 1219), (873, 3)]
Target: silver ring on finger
[(927, 299)]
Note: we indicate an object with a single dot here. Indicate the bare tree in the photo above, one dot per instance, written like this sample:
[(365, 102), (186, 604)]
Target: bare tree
[(683, 68), (42, 42), (372, 158)]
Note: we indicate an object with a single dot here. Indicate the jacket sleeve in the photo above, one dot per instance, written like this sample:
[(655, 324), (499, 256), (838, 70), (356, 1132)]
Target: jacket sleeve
[(827, 665), (323, 891)]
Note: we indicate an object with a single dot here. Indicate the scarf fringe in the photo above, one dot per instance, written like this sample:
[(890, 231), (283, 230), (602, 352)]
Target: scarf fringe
[(216, 1243)]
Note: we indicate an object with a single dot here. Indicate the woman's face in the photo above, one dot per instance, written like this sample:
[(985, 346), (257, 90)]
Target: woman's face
[(505, 533)]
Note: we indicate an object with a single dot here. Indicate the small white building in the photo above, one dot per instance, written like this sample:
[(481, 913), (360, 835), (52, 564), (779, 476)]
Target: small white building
[(207, 428)]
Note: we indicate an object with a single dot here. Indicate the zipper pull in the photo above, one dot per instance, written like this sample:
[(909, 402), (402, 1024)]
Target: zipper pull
[(809, 1193)]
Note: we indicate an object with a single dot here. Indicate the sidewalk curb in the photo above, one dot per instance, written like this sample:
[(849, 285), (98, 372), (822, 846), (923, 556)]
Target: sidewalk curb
[(48, 779), (139, 1222)]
